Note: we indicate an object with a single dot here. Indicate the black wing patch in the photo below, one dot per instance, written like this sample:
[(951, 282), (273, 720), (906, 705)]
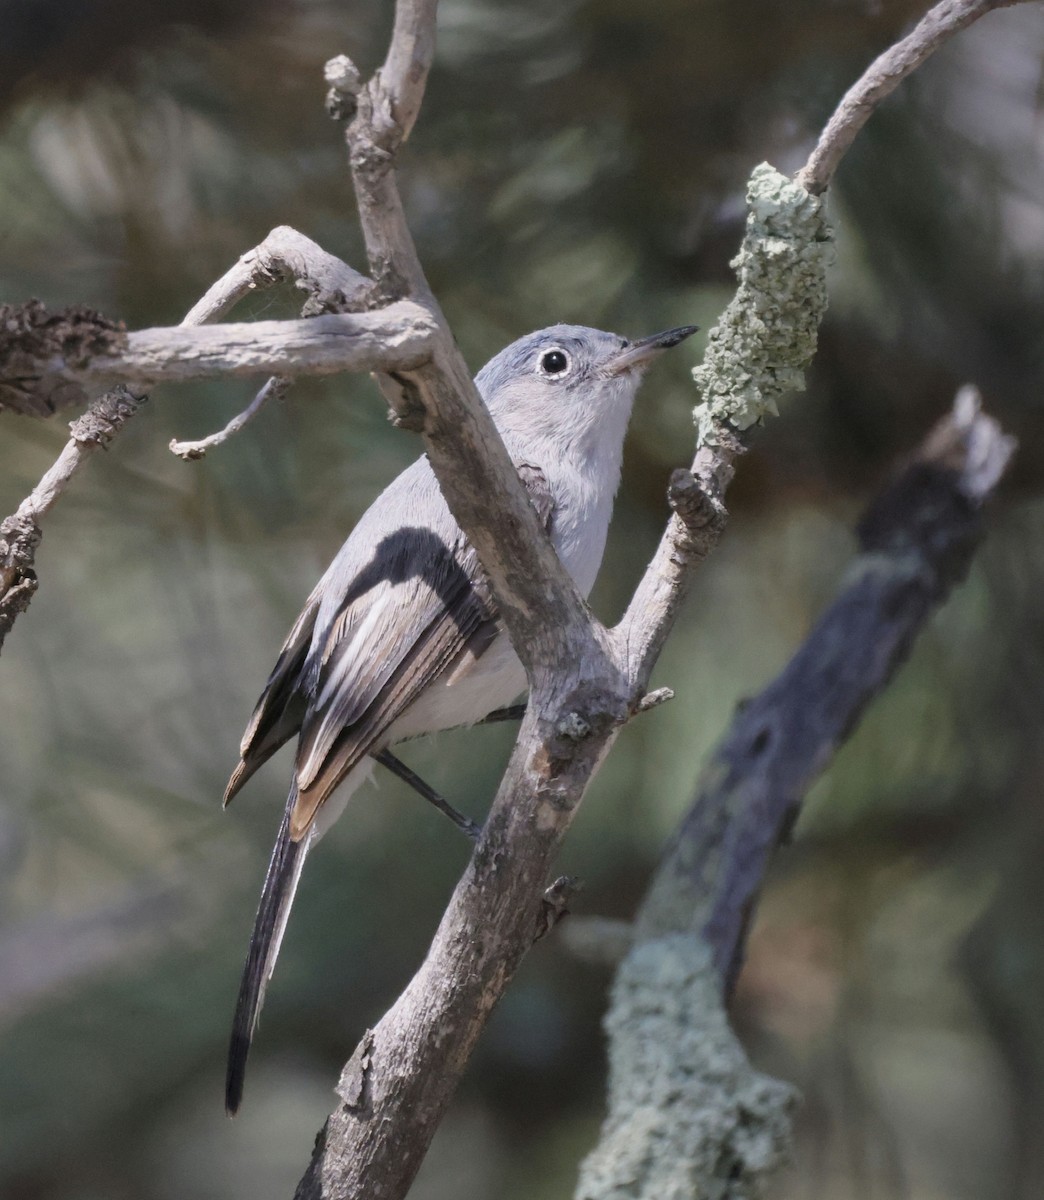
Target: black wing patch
[(406, 617)]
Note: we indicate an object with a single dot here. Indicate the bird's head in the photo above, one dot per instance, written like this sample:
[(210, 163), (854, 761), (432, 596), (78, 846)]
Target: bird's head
[(571, 384)]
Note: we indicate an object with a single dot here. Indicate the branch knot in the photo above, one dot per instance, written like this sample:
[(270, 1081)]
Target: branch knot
[(573, 727), (19, 538), (353, 1086), (694, 503), (345, 82), (106, 417), (555, 903)]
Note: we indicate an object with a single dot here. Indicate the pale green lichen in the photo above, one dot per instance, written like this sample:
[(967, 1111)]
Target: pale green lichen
[(689, 1118), (758, 350)]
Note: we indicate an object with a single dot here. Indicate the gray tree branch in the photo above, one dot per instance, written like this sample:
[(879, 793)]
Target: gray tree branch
[(286, 256), (394, 338), (545, 615), (40, 354), (688, 1116), (882, 77)]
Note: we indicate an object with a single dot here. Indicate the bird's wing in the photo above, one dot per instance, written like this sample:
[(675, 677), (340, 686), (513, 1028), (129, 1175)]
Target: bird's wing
[(278, 714), (400, 621)]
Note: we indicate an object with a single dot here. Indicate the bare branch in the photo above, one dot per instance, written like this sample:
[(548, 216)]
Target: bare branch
[(410, 55), (275, 389), (397, 1086), (391, 339), (882, 77), (691, 535), (286, 255), (47, 359), (545, 615), (918, 538), (20, 533), (400, 1081)]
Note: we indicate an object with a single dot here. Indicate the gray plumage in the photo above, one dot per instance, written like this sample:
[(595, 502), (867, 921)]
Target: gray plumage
[(401, 635)]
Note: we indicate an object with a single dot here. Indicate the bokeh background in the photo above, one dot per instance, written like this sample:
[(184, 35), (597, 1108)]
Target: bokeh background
[(579, 161)]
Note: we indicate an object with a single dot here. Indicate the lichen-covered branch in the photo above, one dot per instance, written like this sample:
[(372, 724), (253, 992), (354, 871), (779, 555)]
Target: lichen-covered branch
[(756, 354), (759, 348), (697, 1120), (688, 1116)]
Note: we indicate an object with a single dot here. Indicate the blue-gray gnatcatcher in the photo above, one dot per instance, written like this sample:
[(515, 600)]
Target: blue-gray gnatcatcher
[(401, 635)]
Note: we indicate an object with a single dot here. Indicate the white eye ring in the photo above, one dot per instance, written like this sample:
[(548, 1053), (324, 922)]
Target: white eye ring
[(555, 363)]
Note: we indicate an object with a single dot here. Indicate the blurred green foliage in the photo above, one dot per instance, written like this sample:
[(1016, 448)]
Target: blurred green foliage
[(573, 162)]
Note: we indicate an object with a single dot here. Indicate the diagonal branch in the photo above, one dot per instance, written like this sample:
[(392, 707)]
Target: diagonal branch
[(725, 1122), (275, 389), (756, 355), (20, 533), (882, 77), (748, 368), (544, 613), (917, 539)]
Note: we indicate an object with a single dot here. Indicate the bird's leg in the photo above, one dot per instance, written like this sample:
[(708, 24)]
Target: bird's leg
[(513, 712), (397, 767)]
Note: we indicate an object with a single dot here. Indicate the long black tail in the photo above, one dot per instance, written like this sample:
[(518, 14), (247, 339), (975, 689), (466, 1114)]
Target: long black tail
[(277, 896)]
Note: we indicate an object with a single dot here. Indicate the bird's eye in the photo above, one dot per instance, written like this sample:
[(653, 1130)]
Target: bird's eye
[(554, 362)]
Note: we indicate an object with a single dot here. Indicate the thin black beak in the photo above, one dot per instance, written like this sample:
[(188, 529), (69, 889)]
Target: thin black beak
[(637, 354)]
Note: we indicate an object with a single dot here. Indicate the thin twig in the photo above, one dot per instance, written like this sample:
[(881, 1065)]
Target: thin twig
[(284, 254), (882, 77), (275, 389)]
